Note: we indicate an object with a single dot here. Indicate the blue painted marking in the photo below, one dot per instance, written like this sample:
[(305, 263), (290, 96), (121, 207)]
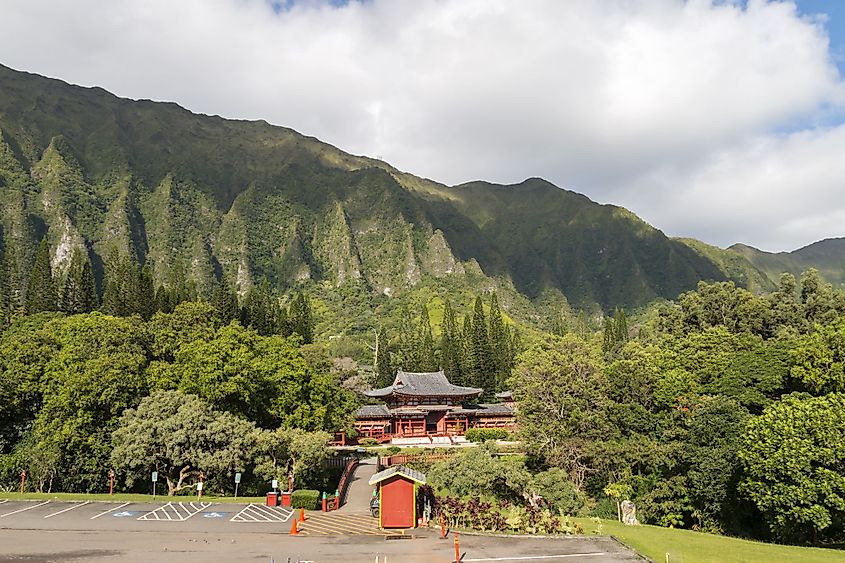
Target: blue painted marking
[(124, 514), (214, 514)]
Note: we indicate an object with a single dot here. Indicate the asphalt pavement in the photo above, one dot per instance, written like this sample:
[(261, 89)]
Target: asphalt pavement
[(42, 531)]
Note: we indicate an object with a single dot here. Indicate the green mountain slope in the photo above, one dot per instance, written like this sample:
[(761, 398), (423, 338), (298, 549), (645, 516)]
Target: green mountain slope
[(827, 256), (251, 200), (594, 253), (734, 266)]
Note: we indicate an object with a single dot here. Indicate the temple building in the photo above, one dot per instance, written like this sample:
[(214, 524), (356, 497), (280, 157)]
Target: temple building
[(420, 405)]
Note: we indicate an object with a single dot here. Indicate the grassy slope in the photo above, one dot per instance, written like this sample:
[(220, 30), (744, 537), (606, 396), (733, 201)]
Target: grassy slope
[(689, 546)]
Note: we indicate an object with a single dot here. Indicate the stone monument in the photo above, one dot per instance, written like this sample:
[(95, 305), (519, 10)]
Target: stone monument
[(629, 513)]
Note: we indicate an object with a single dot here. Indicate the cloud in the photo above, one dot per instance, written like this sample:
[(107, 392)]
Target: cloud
[(784, 188), (677, 110)]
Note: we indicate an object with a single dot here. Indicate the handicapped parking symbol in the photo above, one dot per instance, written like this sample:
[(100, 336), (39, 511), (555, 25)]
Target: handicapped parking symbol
[(124, 514), (214, 514)]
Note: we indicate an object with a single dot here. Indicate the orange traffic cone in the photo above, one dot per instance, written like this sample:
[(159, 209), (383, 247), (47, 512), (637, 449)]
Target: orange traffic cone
[(301, 514), (293, 530)]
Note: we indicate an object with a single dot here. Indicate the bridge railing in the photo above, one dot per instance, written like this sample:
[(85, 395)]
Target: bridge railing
[(335, 501)]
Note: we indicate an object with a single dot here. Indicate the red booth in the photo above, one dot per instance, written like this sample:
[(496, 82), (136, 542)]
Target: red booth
[(397, 489)]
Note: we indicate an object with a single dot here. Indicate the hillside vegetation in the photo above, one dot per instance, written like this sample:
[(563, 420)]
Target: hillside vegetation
[(827, 256), (252, 201)]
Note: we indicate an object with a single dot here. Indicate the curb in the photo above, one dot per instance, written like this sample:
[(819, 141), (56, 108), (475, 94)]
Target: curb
[(631, 549)]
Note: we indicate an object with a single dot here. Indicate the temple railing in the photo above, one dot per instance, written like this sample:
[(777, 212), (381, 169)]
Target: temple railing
[(404, 459)]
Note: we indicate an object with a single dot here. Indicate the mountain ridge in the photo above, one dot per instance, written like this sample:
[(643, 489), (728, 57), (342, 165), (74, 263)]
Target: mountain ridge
[(826, 255), (253, 200)]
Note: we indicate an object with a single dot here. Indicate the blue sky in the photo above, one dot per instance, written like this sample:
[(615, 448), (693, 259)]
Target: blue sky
[(722, 120), (835, 12)]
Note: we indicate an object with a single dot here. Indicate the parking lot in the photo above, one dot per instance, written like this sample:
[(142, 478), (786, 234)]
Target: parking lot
[(166, 515), (41, 531)]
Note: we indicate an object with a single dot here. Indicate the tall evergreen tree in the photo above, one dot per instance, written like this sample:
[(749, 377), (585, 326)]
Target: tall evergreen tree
[(90, 300), (259, 305), (13, 297), (515, 348), (121, 295), (499, 344), (481, 373), (467, 352), (425, 341), (225, 300), (383, 369), (582, 329), (615, 332), (620, 323), (71, 297), (146, 304), (450, 346), (177, 289), (176, 282), (560, 324), (301, 318), (41, 292), (283, 321), (252, 312), (5, 293), (408, 345), (164, 298), (609, 341)]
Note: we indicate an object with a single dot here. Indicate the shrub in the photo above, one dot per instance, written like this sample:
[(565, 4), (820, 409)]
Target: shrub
[(605, 508), (477, 514), (477, 471), (367, 442), (305, 498), (484, 434), (559, 493)]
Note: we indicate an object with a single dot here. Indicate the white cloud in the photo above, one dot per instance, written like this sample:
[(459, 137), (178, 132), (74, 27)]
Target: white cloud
[(671, 108), (780, 188)]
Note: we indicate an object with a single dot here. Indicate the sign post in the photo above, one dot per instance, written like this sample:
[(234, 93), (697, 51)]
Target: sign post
[(199, 485), (155, 478), (275, 484), (237, 482), (111, 482), (23, 479)]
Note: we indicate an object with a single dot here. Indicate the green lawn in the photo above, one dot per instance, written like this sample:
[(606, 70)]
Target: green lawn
[(688, 546), (122, 497)]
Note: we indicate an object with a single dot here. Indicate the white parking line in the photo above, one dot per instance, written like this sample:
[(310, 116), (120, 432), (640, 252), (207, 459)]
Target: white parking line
[(67, 509), (4, 500), (24, 509), (173, 511), (110, 510), (261, 513), (535, 557)]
